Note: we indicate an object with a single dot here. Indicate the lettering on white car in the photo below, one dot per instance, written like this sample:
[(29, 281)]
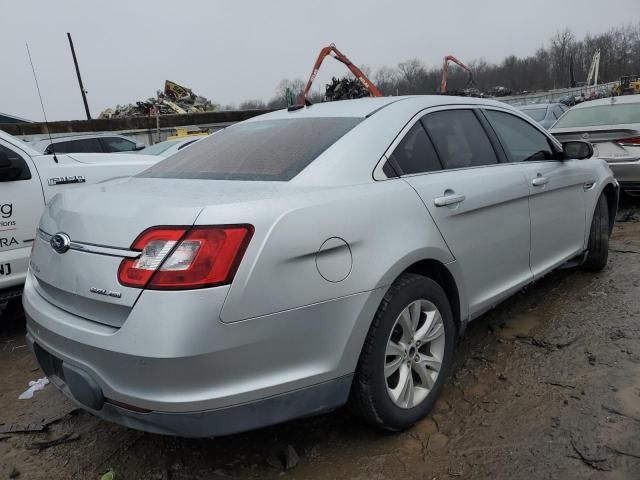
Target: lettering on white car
[(8, 241), (5, 269), (66, 180)]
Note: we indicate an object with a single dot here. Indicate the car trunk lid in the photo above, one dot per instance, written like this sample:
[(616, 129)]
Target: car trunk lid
[(103, 221), (604, 140)]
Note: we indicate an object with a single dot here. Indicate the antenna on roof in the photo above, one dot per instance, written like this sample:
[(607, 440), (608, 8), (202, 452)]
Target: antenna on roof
[(35, 77)]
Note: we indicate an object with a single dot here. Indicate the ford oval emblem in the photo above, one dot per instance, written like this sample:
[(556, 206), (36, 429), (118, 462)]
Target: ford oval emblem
[(60, 242)]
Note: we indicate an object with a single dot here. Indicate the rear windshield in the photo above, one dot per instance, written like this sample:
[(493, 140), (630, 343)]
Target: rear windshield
[(274, 150), (537, 114), (600, 115)]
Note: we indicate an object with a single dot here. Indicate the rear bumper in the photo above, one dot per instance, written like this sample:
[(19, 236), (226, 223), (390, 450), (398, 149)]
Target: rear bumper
[(83, 389), (175, 358), (628, 174)]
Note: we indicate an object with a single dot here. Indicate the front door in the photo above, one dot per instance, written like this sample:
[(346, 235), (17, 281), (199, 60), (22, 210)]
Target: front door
[(21, 204), (557, 191)]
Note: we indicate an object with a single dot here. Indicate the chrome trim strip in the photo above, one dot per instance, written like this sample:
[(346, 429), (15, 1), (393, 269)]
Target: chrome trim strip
[(90, 248)]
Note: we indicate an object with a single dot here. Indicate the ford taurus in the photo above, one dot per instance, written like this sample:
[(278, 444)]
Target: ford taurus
[(306, 259)]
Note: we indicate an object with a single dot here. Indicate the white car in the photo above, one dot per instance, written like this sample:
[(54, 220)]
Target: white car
[(169, 147), (88, 143), (28, 180)]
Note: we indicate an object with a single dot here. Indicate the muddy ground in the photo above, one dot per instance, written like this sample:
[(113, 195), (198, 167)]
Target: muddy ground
[(547, 385)]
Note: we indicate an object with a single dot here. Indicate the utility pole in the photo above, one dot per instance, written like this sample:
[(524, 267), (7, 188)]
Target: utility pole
[(82, 90)]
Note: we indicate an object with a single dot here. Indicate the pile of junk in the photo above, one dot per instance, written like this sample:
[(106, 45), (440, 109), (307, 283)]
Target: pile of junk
[(173, 99)]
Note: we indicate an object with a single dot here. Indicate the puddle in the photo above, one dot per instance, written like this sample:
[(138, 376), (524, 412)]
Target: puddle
[(520, 325), (629, 396)]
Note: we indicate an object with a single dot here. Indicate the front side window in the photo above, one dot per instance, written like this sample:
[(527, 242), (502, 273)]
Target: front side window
[(267, 150), (459, 138), (415, 153), (521, 140), (117, 144)]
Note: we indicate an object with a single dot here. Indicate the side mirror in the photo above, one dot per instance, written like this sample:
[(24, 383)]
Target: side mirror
[(577, 150), (139, 146), (12, 168)]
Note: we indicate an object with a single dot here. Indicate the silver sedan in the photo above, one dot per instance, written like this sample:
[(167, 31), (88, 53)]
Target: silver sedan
[(306, 259), (612, 125)]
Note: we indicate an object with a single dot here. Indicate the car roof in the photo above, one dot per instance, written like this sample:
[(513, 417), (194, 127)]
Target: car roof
[(536, 105), (16, 142), (609, 101), (365, 107)]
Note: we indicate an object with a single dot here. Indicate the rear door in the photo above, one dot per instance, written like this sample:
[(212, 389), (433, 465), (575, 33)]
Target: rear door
[(557, 190), (479, 204)]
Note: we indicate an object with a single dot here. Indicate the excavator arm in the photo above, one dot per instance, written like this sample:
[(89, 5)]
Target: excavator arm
[(445, 72), (332, 51)]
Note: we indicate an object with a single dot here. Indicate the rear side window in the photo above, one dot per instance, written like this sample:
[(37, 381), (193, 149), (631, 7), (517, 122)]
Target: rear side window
[(117, 144), (415, 153), (522, 141), (275, 150), (460, 140), (86, 145)]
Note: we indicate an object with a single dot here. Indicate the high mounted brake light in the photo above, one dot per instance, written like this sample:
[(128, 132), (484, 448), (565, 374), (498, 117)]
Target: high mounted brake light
[(629, 142), (181, 258)]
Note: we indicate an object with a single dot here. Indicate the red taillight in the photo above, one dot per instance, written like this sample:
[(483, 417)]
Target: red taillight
[(179, 258), (629, 142)]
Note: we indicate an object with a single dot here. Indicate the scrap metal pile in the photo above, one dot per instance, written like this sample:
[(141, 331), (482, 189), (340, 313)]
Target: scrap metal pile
[(345, 89), (173, 99)]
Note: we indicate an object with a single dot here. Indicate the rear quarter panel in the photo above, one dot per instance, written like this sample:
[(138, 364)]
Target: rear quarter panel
[(384, 224)]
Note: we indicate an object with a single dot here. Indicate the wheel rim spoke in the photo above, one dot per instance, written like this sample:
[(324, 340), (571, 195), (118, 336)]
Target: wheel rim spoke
[(406, 324), (436, 329), (425, 367), (391, 366)]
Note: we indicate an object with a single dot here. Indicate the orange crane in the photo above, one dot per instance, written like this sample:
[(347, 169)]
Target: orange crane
[(332, 51), (445, 72)]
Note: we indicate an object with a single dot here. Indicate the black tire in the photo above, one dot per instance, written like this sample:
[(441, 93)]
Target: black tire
[(369, 398), (598, 247)]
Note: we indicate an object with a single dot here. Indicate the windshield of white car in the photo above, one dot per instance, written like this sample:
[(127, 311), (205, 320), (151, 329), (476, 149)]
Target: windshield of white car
[(537, 114), (275, 150), (600, 115)]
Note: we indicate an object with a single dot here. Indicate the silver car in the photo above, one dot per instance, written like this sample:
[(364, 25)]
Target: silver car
[(612, 125), (545, 114), (306, 259)]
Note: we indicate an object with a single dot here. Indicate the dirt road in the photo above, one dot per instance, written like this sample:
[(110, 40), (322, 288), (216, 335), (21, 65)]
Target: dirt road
[(546, 386)]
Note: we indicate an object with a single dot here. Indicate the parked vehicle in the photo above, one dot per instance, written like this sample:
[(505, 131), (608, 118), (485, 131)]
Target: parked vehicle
[(169, 147), (29, 179), (95, 143), (545, 114), (612, 125), (305, 259)]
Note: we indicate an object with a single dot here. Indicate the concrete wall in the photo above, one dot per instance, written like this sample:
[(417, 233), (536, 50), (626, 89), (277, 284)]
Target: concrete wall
[(141, 129)]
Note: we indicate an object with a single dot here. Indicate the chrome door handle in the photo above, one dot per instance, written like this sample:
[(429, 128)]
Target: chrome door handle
[(449, 200), (539, 181)]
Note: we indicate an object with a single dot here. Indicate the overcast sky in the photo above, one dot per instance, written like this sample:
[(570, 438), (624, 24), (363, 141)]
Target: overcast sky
[(230, 51)]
